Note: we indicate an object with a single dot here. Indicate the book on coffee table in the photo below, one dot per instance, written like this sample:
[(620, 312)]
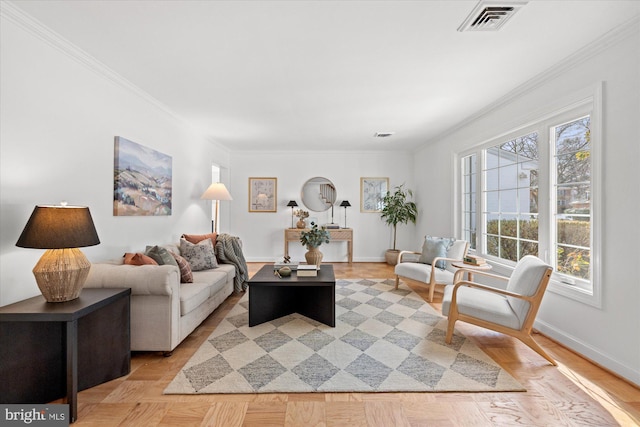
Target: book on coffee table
[(305, 270)]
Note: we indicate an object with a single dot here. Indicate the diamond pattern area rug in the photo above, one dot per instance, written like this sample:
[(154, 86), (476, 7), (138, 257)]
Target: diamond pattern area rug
[(385, 340)]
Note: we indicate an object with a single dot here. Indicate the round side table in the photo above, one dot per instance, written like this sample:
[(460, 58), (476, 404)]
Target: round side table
[(484, 267)]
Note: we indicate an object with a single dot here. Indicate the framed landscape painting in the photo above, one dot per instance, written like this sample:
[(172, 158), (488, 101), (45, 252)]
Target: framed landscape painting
[(372, 191), (141, 180), (263, 193)]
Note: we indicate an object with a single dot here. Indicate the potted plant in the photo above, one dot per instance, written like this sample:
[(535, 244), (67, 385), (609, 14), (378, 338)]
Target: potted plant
[(312, 239), (397, 209)]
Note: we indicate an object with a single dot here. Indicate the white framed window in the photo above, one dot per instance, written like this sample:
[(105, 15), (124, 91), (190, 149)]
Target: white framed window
[(536, 190)]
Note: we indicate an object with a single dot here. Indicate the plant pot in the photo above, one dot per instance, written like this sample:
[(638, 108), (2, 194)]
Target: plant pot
[(391, 256), (313, 256), (301, 223)]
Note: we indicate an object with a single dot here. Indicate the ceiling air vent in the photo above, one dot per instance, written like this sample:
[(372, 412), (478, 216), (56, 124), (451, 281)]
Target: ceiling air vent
[(383, 134), (491, 15)]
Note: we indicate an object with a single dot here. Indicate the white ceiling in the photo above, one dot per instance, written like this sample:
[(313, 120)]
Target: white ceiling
[(324, 75)]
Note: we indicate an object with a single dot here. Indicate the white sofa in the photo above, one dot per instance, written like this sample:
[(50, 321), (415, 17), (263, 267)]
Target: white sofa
[(163, 310)]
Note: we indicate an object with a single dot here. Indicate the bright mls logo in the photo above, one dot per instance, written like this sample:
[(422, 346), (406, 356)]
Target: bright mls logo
[(53, 415)]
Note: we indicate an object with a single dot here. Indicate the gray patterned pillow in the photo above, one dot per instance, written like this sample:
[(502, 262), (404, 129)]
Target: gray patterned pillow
[(200, 256)]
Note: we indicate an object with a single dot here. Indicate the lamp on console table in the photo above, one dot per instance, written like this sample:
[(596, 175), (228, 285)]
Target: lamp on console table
[(63, 268), (292, 204), (345, 204), (216, 191)]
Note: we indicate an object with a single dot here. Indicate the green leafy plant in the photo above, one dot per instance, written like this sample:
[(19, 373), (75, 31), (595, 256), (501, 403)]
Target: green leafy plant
[(398, 209), (315, 236)]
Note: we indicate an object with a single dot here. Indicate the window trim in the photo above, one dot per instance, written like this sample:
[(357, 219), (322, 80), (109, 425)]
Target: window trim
[(587, 101)]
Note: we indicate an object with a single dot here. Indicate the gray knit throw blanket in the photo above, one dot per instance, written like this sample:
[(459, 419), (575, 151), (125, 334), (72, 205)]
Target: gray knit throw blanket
[(229, 251)]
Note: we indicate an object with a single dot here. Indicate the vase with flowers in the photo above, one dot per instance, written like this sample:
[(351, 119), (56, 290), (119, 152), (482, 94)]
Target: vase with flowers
[(312, 239), (302, 215)]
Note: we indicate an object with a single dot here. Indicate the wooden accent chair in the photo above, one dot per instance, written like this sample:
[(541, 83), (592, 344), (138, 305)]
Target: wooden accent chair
[(510, 311), (425, 273)]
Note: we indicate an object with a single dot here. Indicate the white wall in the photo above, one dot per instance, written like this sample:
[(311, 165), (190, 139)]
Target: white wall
[(608, 335), (58, 122), (263, 233)]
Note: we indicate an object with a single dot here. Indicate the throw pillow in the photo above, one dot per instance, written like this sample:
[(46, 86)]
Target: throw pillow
[(197, 238), (138, 259), (200, 256), (435, 247), (160, 255), (186, 276)]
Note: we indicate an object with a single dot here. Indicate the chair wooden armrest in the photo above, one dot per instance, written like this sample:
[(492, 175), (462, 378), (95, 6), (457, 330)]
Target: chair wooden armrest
[(435, 262), (461, 271), (405, 253), (486, 288)]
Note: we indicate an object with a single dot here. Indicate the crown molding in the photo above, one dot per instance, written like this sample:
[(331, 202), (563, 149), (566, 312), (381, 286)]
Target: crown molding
[(611, 38), (28, 23)]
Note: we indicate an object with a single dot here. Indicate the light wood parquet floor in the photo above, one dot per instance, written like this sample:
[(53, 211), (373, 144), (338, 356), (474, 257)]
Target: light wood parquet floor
[(576, 393)]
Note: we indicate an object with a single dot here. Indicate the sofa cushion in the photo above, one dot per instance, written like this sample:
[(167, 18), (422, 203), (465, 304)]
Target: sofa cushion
[(435, 247), (201, 255), (197, 238), (160, 255), (192, 295), (138, 259), (216, 279), (186, 275)]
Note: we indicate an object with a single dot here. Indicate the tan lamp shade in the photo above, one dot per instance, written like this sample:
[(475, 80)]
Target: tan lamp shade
[(216, 191), (63, 268)]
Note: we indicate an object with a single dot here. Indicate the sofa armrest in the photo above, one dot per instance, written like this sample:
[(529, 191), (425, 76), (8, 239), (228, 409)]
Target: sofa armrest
[(142, 279)]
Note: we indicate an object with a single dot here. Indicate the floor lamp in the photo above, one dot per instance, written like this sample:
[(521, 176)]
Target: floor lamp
[(216, 191)]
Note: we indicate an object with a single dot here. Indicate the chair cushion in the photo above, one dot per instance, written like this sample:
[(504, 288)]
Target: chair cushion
[(457, 249), (422, 272), (525, 280), (434, 247), (480, 304)]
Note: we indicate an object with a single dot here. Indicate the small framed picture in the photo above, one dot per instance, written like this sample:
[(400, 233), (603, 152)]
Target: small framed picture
[(372, 191), (263, 194)]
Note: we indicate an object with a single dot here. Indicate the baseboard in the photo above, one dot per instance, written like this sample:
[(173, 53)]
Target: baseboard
[(595, 355)]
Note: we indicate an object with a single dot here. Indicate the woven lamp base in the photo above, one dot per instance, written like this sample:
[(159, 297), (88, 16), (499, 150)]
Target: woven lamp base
[(61, 273)]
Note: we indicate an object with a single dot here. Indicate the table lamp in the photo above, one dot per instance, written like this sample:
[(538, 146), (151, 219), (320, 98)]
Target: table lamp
[(292, 204), (345, 204), (216, 191), (63, 268)]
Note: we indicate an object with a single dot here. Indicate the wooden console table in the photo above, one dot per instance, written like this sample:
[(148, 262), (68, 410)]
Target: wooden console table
[(49, 350), (337, 234)]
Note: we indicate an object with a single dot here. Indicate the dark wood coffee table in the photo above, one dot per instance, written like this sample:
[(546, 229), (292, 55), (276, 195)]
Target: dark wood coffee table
[(271, 297)]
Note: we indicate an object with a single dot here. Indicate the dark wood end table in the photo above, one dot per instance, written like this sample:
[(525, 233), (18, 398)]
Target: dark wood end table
[(271, 297), (49, 350)]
